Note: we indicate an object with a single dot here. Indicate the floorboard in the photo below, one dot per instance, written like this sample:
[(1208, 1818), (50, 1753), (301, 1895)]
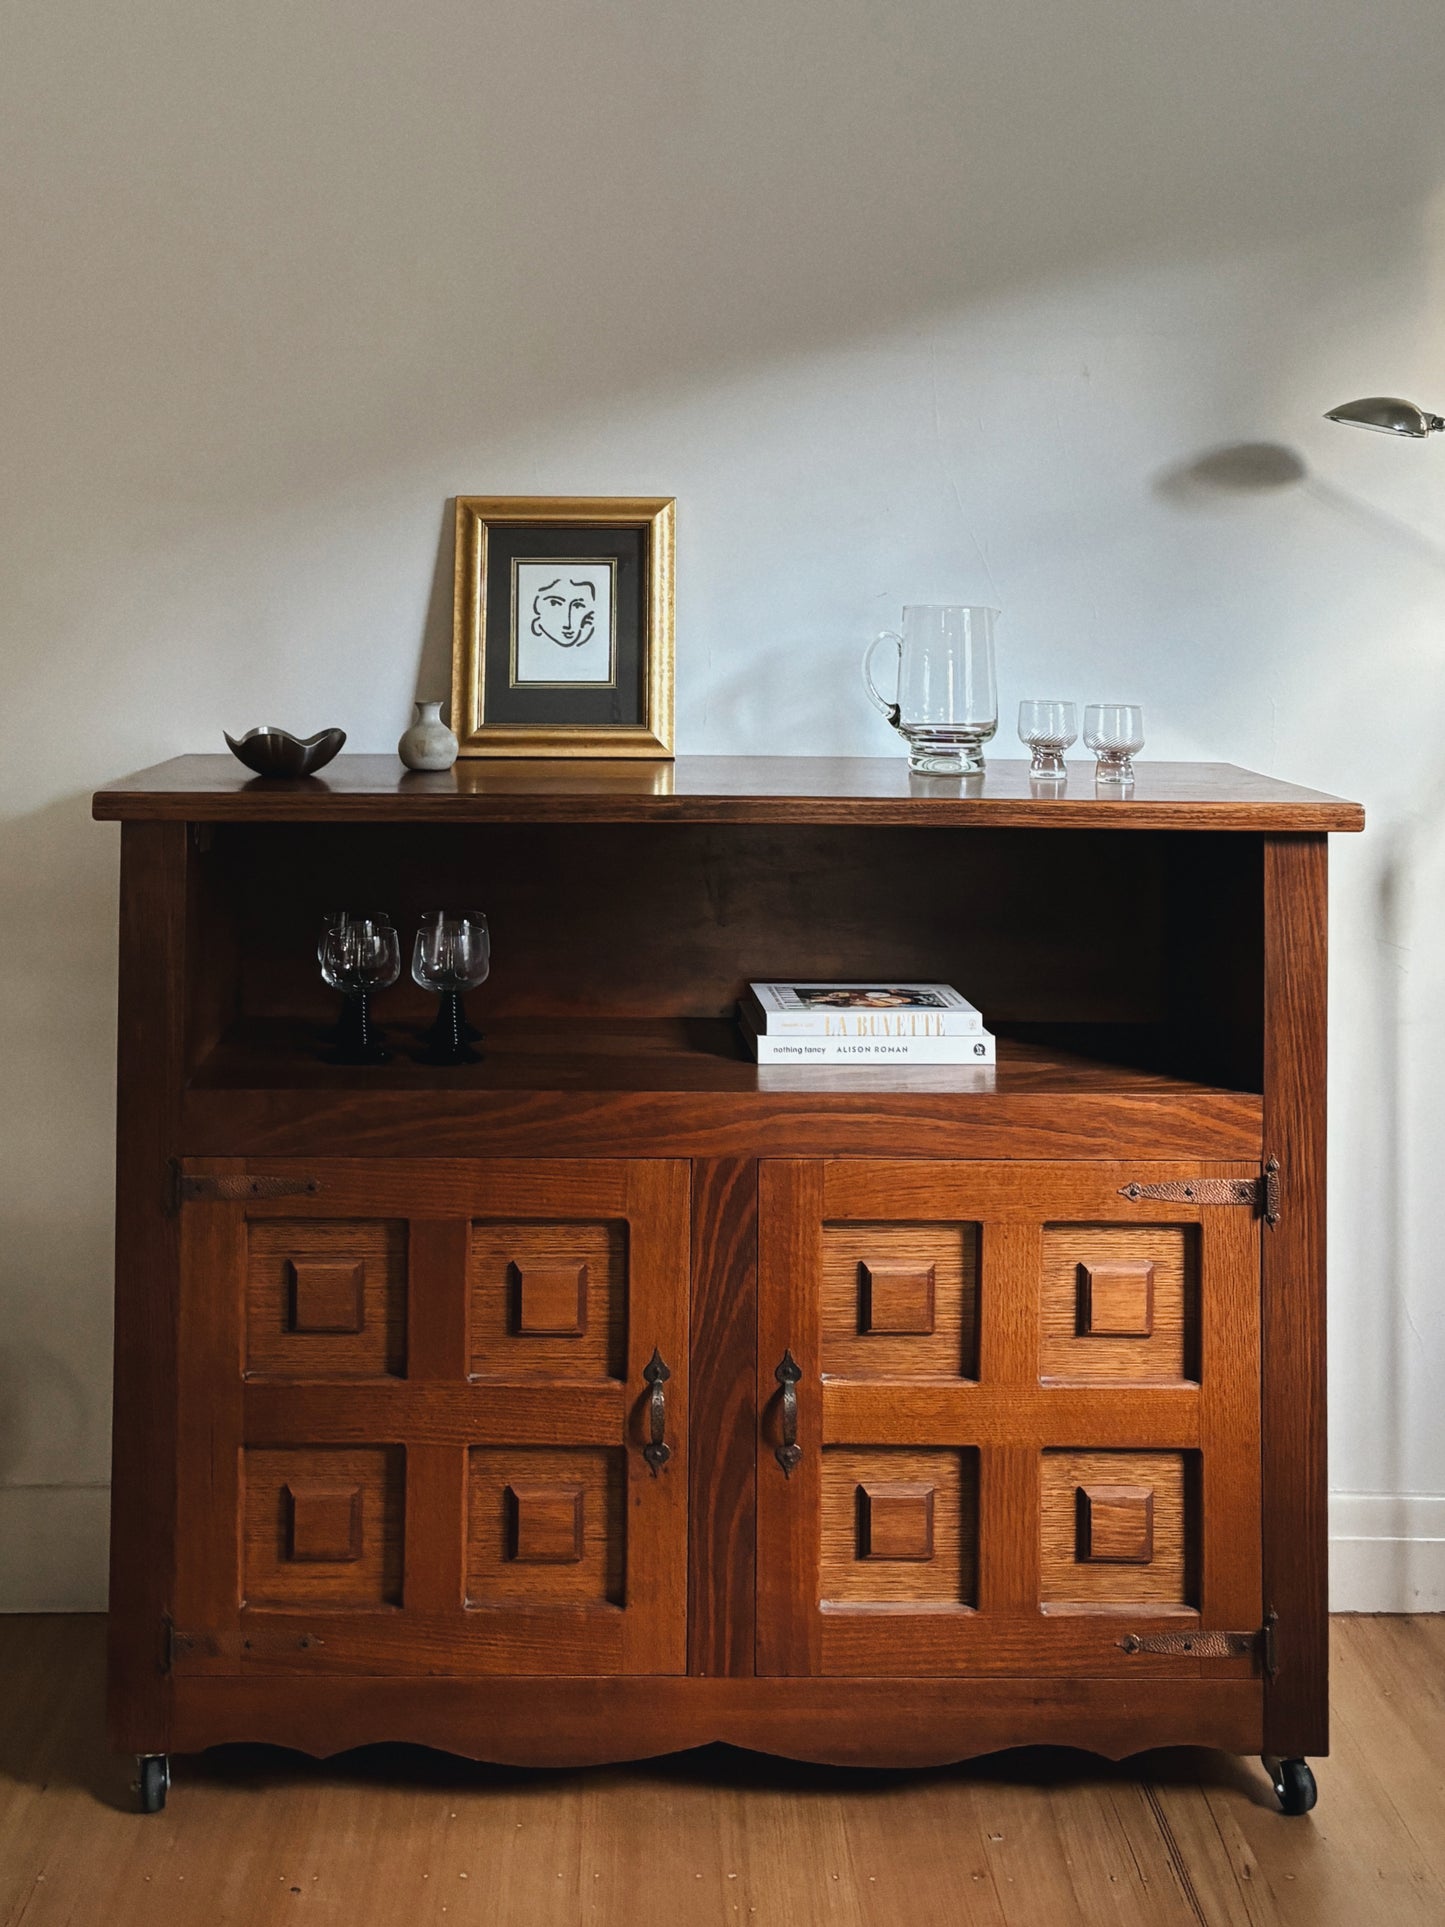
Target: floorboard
[(393, 1835)]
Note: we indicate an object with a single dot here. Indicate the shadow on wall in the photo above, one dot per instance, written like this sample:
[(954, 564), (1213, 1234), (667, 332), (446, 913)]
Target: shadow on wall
[(434, 657), (411, 229), (1243, 469), (57, 987), (44, 1399), (1237, 468)]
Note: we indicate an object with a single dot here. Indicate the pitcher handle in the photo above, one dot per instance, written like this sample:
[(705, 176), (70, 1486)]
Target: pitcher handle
[(890, 712)]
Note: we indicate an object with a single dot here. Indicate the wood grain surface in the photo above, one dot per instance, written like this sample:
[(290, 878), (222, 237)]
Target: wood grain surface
[(397, 1837), (652, 1090), (941, 1572), (502, 1256), (333, 1523), (279, 1261), (1296, 1499), (722, 1505), (1168, 1351), (1069, 1579), (859, 1260), (719, 789), (506, 1487), (1005, 1535), (276, 1572), (674, 919), (144, 1444), (415, 1376)]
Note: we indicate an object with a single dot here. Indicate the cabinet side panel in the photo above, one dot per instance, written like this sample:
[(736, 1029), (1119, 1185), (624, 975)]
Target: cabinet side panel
[(1296, 1544), (143, 1455), (723, 1500)]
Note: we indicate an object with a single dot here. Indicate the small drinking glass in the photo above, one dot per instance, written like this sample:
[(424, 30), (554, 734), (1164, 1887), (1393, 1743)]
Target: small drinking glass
[(452, 954), (360, 953), (1114, 731), (1048, 729)]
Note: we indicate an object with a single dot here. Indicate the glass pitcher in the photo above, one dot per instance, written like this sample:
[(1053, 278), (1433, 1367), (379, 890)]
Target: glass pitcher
[(947, 704)]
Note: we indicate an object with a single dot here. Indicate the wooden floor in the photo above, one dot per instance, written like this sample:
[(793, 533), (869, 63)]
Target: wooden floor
[(254, 1836)]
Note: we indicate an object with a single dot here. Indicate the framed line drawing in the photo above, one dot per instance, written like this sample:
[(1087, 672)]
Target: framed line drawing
[(563, 636)]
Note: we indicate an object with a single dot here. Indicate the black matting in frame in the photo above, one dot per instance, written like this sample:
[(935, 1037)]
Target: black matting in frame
[(625, 701)]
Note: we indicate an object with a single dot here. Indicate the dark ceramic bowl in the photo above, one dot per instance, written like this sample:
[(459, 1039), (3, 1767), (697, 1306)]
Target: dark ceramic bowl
[(276, 752)]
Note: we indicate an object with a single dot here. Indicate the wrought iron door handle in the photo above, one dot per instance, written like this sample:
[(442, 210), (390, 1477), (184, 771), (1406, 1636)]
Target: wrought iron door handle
[(657, 1451), (789, 1452)]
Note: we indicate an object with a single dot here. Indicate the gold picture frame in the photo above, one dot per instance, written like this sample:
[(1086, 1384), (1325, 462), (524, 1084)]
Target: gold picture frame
[(622, 543)]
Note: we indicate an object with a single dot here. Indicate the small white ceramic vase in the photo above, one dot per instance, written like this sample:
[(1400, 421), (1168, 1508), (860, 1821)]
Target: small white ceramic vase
[(428, 744)]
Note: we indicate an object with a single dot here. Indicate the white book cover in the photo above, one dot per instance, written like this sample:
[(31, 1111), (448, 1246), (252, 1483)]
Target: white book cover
[(977, 1048), (881, 1008)]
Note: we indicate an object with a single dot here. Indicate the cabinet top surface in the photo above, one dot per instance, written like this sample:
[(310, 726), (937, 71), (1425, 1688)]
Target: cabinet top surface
[(720, 789)]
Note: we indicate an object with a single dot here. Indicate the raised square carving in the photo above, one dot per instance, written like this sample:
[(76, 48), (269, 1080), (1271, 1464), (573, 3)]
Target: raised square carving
[(547, 1301), (1092, 1560), (895, 1521), (1116, 1524), (899, 1301), (1116, 1299), (551, 1300), (545, 1524), (899, 1525), (326, 1298), (896, 1299), (324, 1523), (1119, 1304), (326, 1295)]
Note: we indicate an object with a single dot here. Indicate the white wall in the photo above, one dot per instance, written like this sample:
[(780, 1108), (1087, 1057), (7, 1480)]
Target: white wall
[(925, 299)]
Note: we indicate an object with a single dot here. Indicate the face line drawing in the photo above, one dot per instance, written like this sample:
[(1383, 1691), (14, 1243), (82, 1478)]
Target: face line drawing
[(564, 611)]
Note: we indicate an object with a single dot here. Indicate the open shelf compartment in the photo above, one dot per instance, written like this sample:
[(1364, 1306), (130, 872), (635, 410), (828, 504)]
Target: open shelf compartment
[(1122, 976)]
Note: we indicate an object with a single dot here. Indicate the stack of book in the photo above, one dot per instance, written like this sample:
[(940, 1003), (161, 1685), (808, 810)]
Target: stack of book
[(872, 1023)]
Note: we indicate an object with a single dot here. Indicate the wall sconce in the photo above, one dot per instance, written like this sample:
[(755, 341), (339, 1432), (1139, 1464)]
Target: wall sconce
[(1389, 415)]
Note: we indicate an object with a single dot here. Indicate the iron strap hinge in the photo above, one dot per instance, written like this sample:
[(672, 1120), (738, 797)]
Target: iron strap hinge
[(1261, 1194), (234, 1188), (175, 1644), (1263, 1643)]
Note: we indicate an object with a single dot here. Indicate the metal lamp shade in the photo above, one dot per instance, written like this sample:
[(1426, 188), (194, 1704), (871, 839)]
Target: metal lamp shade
[(1388, 414)]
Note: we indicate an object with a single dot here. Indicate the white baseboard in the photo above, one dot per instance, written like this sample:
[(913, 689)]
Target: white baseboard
[(53, 1548), (1387, 1552)]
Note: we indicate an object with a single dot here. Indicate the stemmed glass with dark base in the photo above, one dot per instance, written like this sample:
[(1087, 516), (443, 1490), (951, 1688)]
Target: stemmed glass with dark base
[(452, 954), (360, 953), (333, 920)]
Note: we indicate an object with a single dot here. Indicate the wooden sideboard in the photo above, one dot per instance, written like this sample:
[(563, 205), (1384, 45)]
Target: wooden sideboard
[(387, 1337)]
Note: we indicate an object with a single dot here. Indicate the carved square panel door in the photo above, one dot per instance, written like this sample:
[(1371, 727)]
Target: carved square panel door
[(433, 1417), (1010, 1419)]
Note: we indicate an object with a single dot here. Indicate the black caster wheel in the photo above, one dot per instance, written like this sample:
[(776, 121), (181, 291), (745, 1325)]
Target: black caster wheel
[(153, 1781), (1294, 1784)]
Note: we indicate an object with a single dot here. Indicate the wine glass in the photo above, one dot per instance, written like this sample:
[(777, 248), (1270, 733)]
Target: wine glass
[(1114, 731), (452, 954), (1048, 728), (331, 920), (360, 953)]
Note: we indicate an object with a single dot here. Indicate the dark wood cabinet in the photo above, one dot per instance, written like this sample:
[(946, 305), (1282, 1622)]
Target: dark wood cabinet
[(615, 1393)]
